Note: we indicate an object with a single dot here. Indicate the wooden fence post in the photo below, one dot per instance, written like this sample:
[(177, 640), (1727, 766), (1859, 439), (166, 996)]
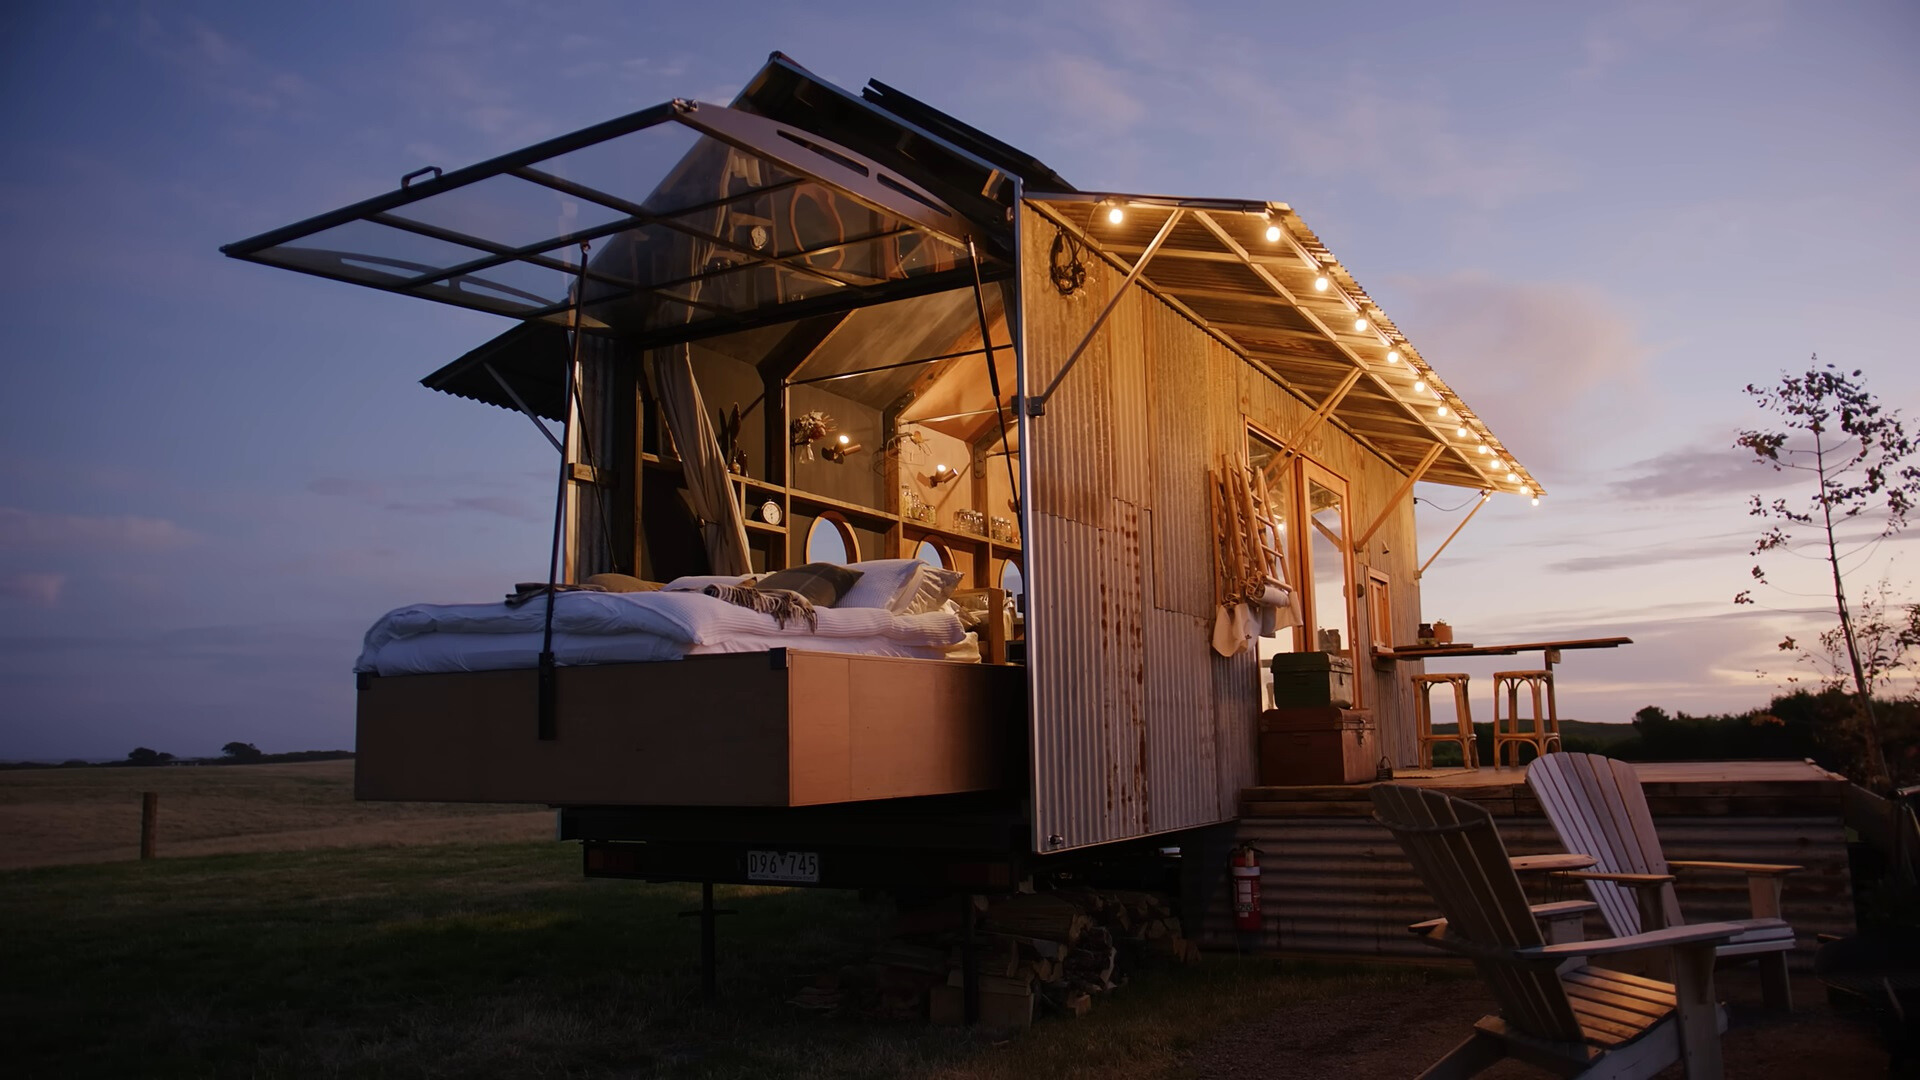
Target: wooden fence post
[(149, 821)]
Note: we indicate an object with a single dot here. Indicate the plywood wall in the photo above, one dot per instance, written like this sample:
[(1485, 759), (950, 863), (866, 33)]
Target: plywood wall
[(1138, 726)]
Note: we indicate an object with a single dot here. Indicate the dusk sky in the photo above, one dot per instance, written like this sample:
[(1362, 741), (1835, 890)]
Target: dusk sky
[(1597, 222)]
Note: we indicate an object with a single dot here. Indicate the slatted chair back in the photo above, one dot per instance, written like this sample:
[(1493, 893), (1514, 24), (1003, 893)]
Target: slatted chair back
[(1597, 807), (1458, 853)]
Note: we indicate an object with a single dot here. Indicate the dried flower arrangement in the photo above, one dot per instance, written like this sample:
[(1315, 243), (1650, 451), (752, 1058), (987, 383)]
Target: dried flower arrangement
[(809, 428)]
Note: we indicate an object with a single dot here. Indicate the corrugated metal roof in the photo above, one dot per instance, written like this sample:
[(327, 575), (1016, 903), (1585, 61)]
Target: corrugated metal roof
[(1257, 295)]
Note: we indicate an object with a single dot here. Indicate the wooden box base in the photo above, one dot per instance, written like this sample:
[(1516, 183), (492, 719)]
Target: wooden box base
[(1321, 745), (785, 728)]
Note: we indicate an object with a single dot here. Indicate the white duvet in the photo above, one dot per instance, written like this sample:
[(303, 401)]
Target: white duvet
[(607, 628)]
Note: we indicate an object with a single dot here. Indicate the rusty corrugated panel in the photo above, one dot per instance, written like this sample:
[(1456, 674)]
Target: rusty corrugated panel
[(1236, 714), (1072, 799), (1340, 885), (1125, 706), (1121, 635), (1179, 426)]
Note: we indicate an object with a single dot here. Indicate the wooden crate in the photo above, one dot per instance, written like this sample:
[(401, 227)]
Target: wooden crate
[(1319, 745)]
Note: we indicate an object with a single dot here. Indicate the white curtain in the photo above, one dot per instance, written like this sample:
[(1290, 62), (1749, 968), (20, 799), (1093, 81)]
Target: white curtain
[(722, 525)]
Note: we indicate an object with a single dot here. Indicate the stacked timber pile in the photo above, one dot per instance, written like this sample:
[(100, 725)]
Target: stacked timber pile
[(1036, 953)]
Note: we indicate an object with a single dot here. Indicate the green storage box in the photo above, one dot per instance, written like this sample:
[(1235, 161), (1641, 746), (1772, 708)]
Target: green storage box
[(1310, 679)]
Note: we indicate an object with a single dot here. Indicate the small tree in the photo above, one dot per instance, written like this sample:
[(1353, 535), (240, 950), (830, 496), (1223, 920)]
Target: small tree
[(1860, 462), (141, 755), (241, 751)]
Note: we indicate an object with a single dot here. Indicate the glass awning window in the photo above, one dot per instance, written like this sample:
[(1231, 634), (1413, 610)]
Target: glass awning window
[(698, 219)]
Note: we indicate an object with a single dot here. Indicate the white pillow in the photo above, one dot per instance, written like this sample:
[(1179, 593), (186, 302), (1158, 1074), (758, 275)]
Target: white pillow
[(880, 584), (696, 582), (927, 590)]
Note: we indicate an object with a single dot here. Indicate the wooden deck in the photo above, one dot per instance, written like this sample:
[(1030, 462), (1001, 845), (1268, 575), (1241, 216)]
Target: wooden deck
[(1334, 882)]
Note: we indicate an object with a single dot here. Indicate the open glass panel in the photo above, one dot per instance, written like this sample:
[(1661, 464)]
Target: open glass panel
[(1329, 562), (696, 219), (1269, 465)]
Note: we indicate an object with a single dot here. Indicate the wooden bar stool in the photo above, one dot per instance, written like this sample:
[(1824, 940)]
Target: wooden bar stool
[(1423, 718), (1543, 727)]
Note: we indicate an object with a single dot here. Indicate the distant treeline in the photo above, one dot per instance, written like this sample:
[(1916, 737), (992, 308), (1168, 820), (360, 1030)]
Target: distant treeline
[(161, 758)]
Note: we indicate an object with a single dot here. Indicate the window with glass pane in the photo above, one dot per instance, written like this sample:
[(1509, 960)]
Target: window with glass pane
[(1269, 465), (1329, 617)]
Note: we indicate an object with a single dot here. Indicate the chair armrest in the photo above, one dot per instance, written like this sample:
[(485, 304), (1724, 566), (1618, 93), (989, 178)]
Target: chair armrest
[(1750, 868), (1765, 882), (1671, 937), (1564, 913), (1631, 881)]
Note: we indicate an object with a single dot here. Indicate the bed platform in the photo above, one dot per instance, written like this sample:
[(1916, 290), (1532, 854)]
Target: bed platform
[(778, 728)]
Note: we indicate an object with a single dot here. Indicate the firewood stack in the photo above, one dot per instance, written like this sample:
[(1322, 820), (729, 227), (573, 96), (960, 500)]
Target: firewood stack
[(1047, 952)]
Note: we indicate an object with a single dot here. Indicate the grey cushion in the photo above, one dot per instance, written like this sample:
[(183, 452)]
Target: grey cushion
[(821, 582)]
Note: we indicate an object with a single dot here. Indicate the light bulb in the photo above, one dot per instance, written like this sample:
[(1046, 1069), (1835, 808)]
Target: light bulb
[(940, 468), (1273, 234), (1442, 410), (1115, 216), (1360, 325), (844, 440), (1460, 433), (1419, 386), (1513, 478), (1393, 356), (1536, 500), (1320, 281), (1485, 449)]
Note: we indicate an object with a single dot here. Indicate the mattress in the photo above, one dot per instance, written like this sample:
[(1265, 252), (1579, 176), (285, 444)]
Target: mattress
[(615, 628)]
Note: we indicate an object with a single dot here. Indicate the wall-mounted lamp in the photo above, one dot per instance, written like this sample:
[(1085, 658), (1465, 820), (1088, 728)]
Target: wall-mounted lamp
[(940, 475), (840, 450)]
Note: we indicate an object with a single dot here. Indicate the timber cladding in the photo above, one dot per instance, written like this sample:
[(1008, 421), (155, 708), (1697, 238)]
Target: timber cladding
[(1138, 726), (754, 729)]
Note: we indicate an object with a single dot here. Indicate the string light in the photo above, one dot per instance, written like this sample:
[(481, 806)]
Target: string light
[(1485, 449), (1419, 386), (1393, 356), (1441, 411), (1320, 280), (1536, 500), (1460, 433), (1115, 215), (1273, 231), (1513, 478), (1360, 324)]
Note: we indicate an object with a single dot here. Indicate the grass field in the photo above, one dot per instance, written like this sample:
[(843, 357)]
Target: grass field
[(54, 816), (482, 960), (500, 960)]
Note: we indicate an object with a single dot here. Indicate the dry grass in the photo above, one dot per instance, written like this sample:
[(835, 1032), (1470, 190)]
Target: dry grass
[(59, 816), (501, 961)]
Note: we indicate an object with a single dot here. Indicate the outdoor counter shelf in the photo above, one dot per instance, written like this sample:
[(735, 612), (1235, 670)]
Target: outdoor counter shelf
[(1550, 648)]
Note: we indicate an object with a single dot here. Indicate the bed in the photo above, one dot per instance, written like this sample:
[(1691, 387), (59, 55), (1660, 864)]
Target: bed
[(677, 698)]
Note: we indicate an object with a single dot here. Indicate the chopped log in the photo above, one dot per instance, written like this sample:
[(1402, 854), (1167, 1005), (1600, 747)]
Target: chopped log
[(1039, 915)]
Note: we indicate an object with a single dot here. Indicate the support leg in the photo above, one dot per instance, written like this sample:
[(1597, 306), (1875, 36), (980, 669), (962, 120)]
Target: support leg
[(1699, 1013), (1775, 989), (709, 953)]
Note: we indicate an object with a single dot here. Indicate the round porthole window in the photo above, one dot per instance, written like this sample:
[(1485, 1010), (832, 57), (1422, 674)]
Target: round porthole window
[(830, 540), (934, 555)]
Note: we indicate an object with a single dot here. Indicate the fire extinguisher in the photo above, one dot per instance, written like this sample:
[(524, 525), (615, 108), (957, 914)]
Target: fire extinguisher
[(1245, 863)]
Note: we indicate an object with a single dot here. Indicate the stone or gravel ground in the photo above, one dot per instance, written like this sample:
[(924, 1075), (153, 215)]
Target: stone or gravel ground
[(1381, 1036)]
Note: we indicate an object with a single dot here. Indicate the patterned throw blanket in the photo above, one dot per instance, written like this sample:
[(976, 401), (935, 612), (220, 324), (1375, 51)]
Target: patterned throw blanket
[(782, 604)]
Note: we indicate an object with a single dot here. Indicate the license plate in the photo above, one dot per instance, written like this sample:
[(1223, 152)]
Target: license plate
[(794, 866)]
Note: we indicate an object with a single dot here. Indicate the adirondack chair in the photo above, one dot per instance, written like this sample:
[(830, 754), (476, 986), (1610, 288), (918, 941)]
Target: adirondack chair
[(1596, 805), (1556, 1011)]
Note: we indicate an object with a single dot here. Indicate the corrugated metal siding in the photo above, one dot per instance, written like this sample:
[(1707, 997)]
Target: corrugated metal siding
[(1072, 796), (1340, 885), (1181, 740), (1178, 424)]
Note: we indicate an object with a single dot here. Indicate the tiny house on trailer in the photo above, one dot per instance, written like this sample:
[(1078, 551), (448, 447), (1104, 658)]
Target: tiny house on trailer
[(813, 327)]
